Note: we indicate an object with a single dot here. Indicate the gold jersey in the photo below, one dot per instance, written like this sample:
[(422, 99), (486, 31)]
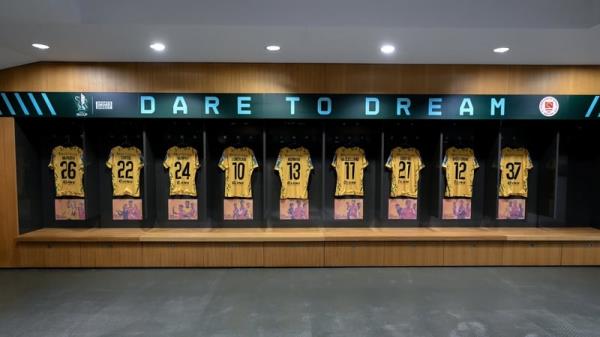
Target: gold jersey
[(182, 163), (349, 164), (126, 165), (294, 167), (405, 164), (238, 164), (460, 165), (514, 166), (68, 167)]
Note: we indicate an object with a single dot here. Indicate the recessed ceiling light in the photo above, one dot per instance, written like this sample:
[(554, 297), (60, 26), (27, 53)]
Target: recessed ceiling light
[(273, 48), (501, 50), (157, 46), (40, 46), (388, 49)]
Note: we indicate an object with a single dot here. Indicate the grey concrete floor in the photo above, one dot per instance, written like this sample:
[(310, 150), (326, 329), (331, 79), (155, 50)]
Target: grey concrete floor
[(454, 302)]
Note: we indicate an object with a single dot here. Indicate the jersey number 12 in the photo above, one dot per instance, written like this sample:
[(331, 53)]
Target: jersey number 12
[(459, 170)]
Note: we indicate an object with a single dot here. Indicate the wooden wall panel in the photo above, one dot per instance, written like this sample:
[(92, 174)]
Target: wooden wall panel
[(194, 254), (53, 255), (473, 253), (294, 254), (414, 254), (111, 255), (532, 254), (9, 220), (248, 254), (581, 254), (163, 255), (338, 254), (305, 78)]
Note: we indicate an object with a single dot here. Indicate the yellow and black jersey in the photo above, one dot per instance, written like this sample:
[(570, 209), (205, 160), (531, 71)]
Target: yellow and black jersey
[(182, 163), (514, 166), (126, 165), (238, 164), (294, 167), (405, 164), (68, 167), (349, 164), (460, 165)]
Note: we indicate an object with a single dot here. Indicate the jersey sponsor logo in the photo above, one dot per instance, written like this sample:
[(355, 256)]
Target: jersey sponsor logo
[(549, 106)]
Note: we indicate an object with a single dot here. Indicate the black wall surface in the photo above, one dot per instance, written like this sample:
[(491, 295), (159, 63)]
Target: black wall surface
[(563, 184)]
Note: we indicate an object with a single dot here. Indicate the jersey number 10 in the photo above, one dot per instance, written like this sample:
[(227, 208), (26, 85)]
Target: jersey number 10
[(238, 171)]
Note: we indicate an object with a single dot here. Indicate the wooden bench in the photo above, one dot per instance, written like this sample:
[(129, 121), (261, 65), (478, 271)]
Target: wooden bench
[(259, 247)]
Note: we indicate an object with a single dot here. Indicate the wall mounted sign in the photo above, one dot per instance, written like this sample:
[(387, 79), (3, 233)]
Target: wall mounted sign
[(298, 106)]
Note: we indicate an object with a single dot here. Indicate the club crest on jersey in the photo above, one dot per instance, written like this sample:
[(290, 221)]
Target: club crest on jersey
[(549, 106), (82, 105)]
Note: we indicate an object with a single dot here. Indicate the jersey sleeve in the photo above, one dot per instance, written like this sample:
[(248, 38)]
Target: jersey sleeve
[(364, 160), (254, 161), (139, 154), (109, 162), (333, 164), (529, 162), (388, 162), (475, 163), (51, 164), (420, 163), (167, 162), (196, 159), (445, 161), (81, 158), (310, 164), (223, 162), (278, 163)]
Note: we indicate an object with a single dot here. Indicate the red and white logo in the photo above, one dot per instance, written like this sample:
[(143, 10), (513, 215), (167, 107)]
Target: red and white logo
[(549, 106)]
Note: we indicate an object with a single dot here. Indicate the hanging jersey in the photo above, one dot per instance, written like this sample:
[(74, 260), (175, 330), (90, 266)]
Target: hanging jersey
[(294, 167), (349, 164), (126, 165), (238, 164), (182, 163), (67, 164), (514, 166), (460, 165), (405, 164)]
